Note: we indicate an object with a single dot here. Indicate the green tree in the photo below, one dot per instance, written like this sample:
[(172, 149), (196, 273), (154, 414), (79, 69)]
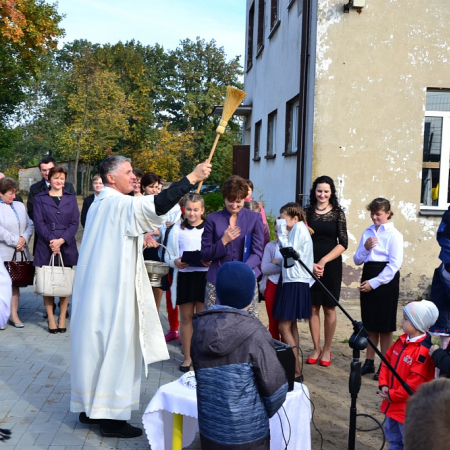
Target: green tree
[(97, 111), (198, 74), (28, 30)]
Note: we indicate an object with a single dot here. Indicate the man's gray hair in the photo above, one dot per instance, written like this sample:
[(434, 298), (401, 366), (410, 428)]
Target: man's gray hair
[(110, 165)]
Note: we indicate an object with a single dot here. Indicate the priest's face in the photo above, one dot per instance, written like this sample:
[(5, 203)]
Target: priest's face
[(122, 179)]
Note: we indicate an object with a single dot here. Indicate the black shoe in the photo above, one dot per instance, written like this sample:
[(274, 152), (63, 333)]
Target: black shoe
[(52, 330), (377, 375), (368, 367), (119, 428), (184, 369), (83, 418)]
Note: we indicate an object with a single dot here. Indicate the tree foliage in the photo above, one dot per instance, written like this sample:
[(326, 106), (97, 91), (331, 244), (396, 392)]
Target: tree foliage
[(28, 30), (152, 105)]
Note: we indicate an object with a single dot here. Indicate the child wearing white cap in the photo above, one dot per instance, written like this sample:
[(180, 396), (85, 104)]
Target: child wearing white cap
[(409, 355)]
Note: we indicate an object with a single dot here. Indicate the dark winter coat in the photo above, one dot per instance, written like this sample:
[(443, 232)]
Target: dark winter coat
[(54, 222), (240, 382), (41, 186), (87, 202)]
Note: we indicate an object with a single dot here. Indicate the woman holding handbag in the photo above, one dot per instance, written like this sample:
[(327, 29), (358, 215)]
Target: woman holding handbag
[(56, 218), (16, 229)]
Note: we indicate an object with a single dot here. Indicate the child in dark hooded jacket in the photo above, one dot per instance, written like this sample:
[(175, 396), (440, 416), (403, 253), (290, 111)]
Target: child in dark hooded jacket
[(240, 382)]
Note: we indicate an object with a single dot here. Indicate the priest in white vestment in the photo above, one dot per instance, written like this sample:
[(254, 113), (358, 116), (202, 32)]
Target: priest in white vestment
[(115, 324), (5, 295)]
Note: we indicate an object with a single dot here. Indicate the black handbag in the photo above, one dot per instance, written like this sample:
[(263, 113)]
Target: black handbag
[(21, 272)]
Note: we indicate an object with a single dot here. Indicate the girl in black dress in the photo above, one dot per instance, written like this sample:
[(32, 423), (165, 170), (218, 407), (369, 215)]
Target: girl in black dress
[(327, 219)]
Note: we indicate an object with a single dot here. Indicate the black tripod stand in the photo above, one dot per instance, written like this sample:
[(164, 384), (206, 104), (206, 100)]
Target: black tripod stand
[(358, 341)]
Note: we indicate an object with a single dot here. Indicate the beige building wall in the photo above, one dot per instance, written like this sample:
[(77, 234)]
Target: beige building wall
[(372, 72)]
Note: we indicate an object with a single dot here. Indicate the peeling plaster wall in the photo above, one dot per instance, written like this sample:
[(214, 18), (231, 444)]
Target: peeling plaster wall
[(372, 72)]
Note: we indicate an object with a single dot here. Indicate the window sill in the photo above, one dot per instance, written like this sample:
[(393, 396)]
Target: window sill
[(289, 154), (290, 4), (257, 158), (260, 50), (431, 211), (274, 28), (249, 67), (270, 156)]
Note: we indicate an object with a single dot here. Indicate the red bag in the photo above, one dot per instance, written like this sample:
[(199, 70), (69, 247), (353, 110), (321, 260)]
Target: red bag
[(21, 272)]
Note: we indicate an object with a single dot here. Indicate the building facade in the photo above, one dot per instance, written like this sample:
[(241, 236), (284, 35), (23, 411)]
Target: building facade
[(377, 119)]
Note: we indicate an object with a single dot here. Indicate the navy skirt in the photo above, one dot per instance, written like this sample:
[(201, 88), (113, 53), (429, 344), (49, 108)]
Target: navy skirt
[(292, 302)]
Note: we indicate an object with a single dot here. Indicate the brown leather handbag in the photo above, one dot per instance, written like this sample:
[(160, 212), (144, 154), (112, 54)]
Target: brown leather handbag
[(21, 272)]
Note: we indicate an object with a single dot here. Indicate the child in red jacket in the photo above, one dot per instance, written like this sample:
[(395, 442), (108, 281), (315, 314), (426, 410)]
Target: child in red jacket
[(409, 356)]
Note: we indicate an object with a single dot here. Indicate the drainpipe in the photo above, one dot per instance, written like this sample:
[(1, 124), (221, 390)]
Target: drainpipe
[(303, 99)]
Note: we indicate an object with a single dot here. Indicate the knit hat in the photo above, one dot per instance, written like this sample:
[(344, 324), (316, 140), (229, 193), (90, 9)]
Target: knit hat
[(235, 285), (421, 314)]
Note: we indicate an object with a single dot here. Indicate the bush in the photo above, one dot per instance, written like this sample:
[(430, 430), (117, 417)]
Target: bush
[(213, 202)]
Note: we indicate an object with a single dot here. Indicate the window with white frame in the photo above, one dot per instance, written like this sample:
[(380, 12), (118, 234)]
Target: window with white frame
[(271, 134), (436, 151), (257, 144), (291, 126)]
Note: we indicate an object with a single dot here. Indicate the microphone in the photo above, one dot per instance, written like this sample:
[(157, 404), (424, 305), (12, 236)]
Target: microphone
[(289, 256)]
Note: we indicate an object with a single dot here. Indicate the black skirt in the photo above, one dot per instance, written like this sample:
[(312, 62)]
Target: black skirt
[(379, 306), (191, 287)]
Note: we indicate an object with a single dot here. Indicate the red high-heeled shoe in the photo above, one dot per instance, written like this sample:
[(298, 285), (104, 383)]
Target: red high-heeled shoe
[(325, 363), (312, 360)]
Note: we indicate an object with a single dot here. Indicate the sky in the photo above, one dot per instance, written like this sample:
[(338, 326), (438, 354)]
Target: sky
[(165, 22)]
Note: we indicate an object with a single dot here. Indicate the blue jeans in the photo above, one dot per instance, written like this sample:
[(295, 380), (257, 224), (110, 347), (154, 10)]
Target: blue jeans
[(394, 434)]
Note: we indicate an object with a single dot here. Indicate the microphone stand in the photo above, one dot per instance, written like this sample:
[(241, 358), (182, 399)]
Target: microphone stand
[(358, 341)]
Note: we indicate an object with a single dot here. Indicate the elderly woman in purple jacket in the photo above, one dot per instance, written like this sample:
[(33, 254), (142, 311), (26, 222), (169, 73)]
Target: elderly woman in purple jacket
[(56, 217), (233, 234)]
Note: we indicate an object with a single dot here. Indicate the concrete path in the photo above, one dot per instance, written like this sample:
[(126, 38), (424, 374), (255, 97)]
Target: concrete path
[(35, 387)]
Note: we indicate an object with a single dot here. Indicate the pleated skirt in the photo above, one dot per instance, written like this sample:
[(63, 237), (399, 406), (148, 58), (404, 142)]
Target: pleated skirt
[(292, 302)]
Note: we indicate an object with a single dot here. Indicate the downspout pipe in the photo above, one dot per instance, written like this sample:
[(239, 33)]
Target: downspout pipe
[(302, 135)]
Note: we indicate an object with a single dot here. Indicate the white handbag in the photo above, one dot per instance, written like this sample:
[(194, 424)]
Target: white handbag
[(54, 281)]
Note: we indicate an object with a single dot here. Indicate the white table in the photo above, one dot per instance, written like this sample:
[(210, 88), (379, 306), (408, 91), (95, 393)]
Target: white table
[(175, 398)]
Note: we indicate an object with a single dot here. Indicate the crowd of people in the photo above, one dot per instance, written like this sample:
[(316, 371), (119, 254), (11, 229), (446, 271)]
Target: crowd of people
[(133, 216)]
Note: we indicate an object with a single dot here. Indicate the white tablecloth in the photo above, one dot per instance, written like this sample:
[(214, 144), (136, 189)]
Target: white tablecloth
[(177, 398)]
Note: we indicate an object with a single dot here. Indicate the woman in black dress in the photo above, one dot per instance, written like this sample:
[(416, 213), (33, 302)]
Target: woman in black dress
[(330, 240)]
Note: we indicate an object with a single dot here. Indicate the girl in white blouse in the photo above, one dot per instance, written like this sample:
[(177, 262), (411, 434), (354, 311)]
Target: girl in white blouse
[(381, 251)]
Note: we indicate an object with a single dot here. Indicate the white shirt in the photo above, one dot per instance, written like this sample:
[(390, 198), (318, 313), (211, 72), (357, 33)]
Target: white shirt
[(299, 238), (389, 249)]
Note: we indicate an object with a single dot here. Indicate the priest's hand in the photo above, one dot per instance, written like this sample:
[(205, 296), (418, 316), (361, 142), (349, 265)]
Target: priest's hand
[(149, 241), (200, 173)]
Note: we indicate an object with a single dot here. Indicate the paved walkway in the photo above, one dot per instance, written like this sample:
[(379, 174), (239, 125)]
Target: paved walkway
[(35, 387)]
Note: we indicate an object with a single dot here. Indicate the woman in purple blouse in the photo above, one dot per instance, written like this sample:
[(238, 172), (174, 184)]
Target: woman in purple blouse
[(233, 234)]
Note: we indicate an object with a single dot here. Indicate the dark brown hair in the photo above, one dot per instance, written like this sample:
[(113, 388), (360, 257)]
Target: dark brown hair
[(8, 184), (57, 169), (293, 210), (148, 179), (235, 188), (380, 203)]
